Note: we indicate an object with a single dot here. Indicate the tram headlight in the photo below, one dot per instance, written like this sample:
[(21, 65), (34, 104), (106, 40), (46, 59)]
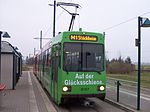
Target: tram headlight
[(101, 88), (66, 89)]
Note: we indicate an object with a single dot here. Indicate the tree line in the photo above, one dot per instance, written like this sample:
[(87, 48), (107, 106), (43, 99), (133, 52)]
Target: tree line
[(120, 65)]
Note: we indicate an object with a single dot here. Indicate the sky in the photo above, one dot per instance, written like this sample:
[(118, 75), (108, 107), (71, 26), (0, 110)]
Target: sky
[(24, 19)]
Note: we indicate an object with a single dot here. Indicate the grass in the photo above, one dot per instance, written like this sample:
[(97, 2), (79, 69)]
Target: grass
[(145, 78), (25, 68), (146, 67), (143, 67)]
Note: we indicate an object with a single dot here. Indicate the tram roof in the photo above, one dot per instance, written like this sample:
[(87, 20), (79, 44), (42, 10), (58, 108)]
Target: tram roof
[(59, 38)]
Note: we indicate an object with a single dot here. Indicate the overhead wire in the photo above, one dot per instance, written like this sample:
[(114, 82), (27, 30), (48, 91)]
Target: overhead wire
[(114, 26)]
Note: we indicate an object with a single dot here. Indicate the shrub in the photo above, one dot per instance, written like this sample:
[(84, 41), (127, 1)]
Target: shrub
[(120, 66)]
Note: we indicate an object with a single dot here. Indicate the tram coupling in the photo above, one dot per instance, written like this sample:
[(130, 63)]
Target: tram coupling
[(88, 103)]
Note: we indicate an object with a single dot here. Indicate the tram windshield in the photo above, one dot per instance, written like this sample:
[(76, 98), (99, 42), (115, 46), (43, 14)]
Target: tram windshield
[(83, 57)]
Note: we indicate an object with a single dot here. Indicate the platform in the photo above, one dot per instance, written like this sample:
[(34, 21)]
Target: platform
[(28, 96)]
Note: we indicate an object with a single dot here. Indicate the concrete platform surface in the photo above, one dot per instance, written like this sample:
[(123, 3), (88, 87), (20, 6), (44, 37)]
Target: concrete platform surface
[(28, 96)]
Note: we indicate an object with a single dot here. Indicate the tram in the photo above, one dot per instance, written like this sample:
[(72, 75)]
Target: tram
[(72, 65)]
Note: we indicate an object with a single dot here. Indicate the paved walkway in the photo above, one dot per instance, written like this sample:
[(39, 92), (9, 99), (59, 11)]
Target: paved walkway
[(28, 96)]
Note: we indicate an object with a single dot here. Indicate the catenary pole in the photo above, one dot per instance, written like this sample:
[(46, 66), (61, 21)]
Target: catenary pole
[(54, 20)]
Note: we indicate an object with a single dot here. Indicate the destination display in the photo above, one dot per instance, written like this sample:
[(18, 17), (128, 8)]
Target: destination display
[(83, 38)]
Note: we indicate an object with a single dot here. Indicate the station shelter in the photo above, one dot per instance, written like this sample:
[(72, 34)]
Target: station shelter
[(11, 65)]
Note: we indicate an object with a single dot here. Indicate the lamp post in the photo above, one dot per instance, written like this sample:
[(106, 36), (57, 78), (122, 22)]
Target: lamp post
[(141, 23)]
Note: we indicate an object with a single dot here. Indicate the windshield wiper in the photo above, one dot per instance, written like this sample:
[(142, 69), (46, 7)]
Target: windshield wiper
[(66, 69), (98, 72)]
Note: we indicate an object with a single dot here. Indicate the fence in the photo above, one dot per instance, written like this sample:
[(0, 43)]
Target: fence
[(122, 91)]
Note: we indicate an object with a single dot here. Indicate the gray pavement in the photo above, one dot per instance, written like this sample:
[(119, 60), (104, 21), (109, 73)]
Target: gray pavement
[(128, 97), (28, 96)]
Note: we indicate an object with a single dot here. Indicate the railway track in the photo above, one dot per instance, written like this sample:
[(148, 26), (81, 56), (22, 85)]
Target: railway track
[(87, 105), (84, 105)]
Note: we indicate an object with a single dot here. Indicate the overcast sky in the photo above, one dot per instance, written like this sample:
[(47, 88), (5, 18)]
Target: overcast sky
[(24, 19)]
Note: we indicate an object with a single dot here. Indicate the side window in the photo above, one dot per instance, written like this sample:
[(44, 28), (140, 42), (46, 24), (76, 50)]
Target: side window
[(58, 54), (47, 57)]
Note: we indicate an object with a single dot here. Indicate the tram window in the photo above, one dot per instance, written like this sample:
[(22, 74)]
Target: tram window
[(47, 59), (83, 57)]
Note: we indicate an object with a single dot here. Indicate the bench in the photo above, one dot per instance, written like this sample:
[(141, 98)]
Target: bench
[(2, 87)]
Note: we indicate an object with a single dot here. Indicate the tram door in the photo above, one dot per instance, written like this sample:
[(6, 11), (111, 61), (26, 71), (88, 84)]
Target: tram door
[(55, 65)]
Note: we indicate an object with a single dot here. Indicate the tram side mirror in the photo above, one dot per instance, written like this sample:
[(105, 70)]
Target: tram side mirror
[(58, 47)]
